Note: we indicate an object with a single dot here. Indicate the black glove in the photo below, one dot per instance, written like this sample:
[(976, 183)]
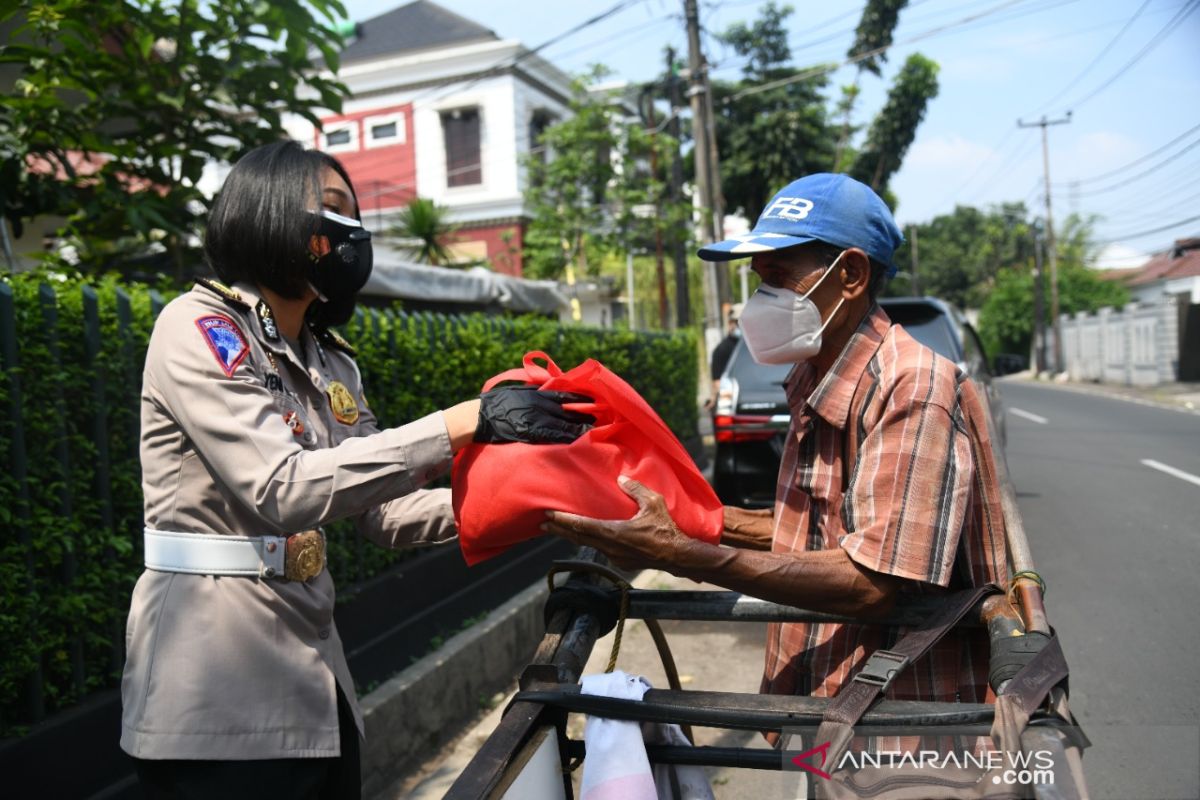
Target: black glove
[(527, 414)]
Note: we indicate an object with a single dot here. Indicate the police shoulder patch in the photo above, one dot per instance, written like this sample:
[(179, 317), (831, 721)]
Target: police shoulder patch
[(225, 340), (223, 291), (335, 339)]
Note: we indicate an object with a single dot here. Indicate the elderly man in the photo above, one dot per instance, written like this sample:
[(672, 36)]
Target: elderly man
[(887, 482)]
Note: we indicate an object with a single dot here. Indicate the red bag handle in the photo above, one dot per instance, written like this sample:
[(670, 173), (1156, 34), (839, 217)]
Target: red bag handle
[(532, 372)]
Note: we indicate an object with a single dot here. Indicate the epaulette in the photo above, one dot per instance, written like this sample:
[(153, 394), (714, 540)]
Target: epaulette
[(332, 338), (223, 291)]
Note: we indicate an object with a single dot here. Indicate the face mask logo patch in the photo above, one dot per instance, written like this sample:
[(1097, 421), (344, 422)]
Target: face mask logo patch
[(319, 246)]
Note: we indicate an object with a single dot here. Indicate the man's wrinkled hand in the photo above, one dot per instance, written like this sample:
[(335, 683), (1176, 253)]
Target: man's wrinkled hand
[(528, 414), (650, 540)]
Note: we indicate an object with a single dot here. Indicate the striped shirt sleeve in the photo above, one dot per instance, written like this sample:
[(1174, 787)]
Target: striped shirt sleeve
[(910, 491)]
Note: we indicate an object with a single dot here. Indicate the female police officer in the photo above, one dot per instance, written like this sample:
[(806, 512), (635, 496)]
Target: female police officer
[(255, 432)]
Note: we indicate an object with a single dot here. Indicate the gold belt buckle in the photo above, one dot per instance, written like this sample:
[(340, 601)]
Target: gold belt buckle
[(304, 556)]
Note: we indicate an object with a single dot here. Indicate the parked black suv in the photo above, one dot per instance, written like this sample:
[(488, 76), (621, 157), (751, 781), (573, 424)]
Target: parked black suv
[(751, 416)]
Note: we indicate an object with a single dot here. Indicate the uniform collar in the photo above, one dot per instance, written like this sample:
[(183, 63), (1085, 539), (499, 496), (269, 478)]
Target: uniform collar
[(267, 331), (831, 397)]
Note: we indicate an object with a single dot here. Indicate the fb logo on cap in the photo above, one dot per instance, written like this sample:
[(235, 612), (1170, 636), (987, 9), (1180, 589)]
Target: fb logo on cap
[(790, 208)]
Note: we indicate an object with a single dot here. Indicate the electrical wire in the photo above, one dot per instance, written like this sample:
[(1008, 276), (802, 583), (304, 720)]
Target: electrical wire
[(506, 64), (1099, 57), (813, 72), (1140, 234), (1149, 47), (1143, 173), (1023, 150), (642, 27), (1135, 162), (1151, 215)]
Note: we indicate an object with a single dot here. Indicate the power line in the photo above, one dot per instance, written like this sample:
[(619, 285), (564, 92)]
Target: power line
[(1140, 234), (1022, 150), (1143, 173), (810, 73), (1099, 57), (500, 66), (1156, 40), (1136, 161), (1150, 215), (645, 27)]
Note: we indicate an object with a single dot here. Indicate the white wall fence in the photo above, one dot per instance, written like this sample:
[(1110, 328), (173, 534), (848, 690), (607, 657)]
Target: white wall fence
[(1137, 346)]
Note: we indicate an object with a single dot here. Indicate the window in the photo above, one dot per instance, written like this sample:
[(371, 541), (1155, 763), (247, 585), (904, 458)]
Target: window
[(460, 130), (385, 130), (340, 139), (538, 123)]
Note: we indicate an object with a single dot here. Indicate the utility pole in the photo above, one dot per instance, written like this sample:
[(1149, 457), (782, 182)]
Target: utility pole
[(916, 261), (683, 300), (1051, 248), (1039, 310), (663, 316), (705, 166)]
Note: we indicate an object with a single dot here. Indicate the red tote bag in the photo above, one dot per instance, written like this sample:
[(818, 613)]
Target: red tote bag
[(501, 492)]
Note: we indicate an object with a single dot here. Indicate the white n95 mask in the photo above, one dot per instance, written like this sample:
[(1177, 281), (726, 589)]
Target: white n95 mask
[(782, 327)]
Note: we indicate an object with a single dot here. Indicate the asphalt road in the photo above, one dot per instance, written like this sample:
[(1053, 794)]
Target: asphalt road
[(1119, 545), (1118, 542)]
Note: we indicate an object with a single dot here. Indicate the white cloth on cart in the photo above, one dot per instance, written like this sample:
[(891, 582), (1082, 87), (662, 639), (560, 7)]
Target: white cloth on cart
[(616, 766)]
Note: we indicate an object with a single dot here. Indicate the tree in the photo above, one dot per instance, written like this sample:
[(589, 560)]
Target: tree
[(874, 33), (771, 137), (895, 126), (962, 252), (1006, 318), (871, 40), (592, 195), (120, 104), (426, 221)]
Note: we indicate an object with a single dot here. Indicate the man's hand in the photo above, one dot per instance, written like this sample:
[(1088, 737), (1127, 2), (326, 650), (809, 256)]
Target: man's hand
[(528, 414), (649, 540), (752, 530)]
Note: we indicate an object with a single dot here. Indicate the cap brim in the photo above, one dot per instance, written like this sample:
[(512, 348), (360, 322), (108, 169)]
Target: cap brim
[(748, 244)]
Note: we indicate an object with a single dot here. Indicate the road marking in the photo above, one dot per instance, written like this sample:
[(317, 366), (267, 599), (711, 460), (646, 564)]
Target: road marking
[(1027, 415), (1177, 473)]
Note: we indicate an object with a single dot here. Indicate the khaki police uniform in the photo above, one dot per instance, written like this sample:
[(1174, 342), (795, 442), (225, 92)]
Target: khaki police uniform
[(242, 435)]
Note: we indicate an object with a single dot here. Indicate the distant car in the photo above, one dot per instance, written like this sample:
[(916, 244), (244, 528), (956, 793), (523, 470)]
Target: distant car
[(751, 417)]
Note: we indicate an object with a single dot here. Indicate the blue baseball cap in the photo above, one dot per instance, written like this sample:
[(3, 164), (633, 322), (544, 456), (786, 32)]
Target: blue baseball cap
[(824, 207)]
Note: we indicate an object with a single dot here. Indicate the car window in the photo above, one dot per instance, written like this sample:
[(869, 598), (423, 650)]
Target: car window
[(928, 326), (974, 355), (748, 372)]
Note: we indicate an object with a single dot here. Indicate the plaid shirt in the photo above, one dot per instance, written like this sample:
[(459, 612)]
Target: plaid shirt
[(920, 501)]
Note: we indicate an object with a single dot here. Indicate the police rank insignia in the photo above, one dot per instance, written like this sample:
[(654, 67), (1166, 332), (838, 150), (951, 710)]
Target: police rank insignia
[(225, 341), (345, 410)]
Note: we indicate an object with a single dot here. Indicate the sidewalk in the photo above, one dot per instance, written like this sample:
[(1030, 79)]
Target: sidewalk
[(714, 656), (1176, 396)]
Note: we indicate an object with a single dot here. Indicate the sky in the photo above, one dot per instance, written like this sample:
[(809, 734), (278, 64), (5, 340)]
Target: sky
[(1128, 71)]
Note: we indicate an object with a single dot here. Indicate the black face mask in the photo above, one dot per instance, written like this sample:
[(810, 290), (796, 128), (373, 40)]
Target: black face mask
[(340, 262)]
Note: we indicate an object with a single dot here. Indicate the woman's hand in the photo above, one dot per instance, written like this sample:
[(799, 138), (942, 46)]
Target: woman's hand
[(649, 540), (531, 415), (516, 414)]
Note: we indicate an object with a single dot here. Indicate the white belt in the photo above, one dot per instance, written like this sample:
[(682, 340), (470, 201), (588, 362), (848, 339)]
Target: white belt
[(213, 554)]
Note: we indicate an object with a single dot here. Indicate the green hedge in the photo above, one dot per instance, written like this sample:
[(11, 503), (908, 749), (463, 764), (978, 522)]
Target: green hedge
[(70, 557)]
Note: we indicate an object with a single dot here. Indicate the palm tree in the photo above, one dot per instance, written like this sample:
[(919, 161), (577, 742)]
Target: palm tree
[(426, 221)]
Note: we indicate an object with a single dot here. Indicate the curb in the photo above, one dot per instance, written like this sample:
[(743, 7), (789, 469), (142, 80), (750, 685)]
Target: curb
[(411, 715), (1114, 392)]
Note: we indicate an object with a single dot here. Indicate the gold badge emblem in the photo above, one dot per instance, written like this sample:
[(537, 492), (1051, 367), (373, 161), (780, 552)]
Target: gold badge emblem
[(345, 410), (304, 556)]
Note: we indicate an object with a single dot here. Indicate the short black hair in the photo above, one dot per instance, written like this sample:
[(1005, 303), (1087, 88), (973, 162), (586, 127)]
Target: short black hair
[(258, 228), (879, 271)]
